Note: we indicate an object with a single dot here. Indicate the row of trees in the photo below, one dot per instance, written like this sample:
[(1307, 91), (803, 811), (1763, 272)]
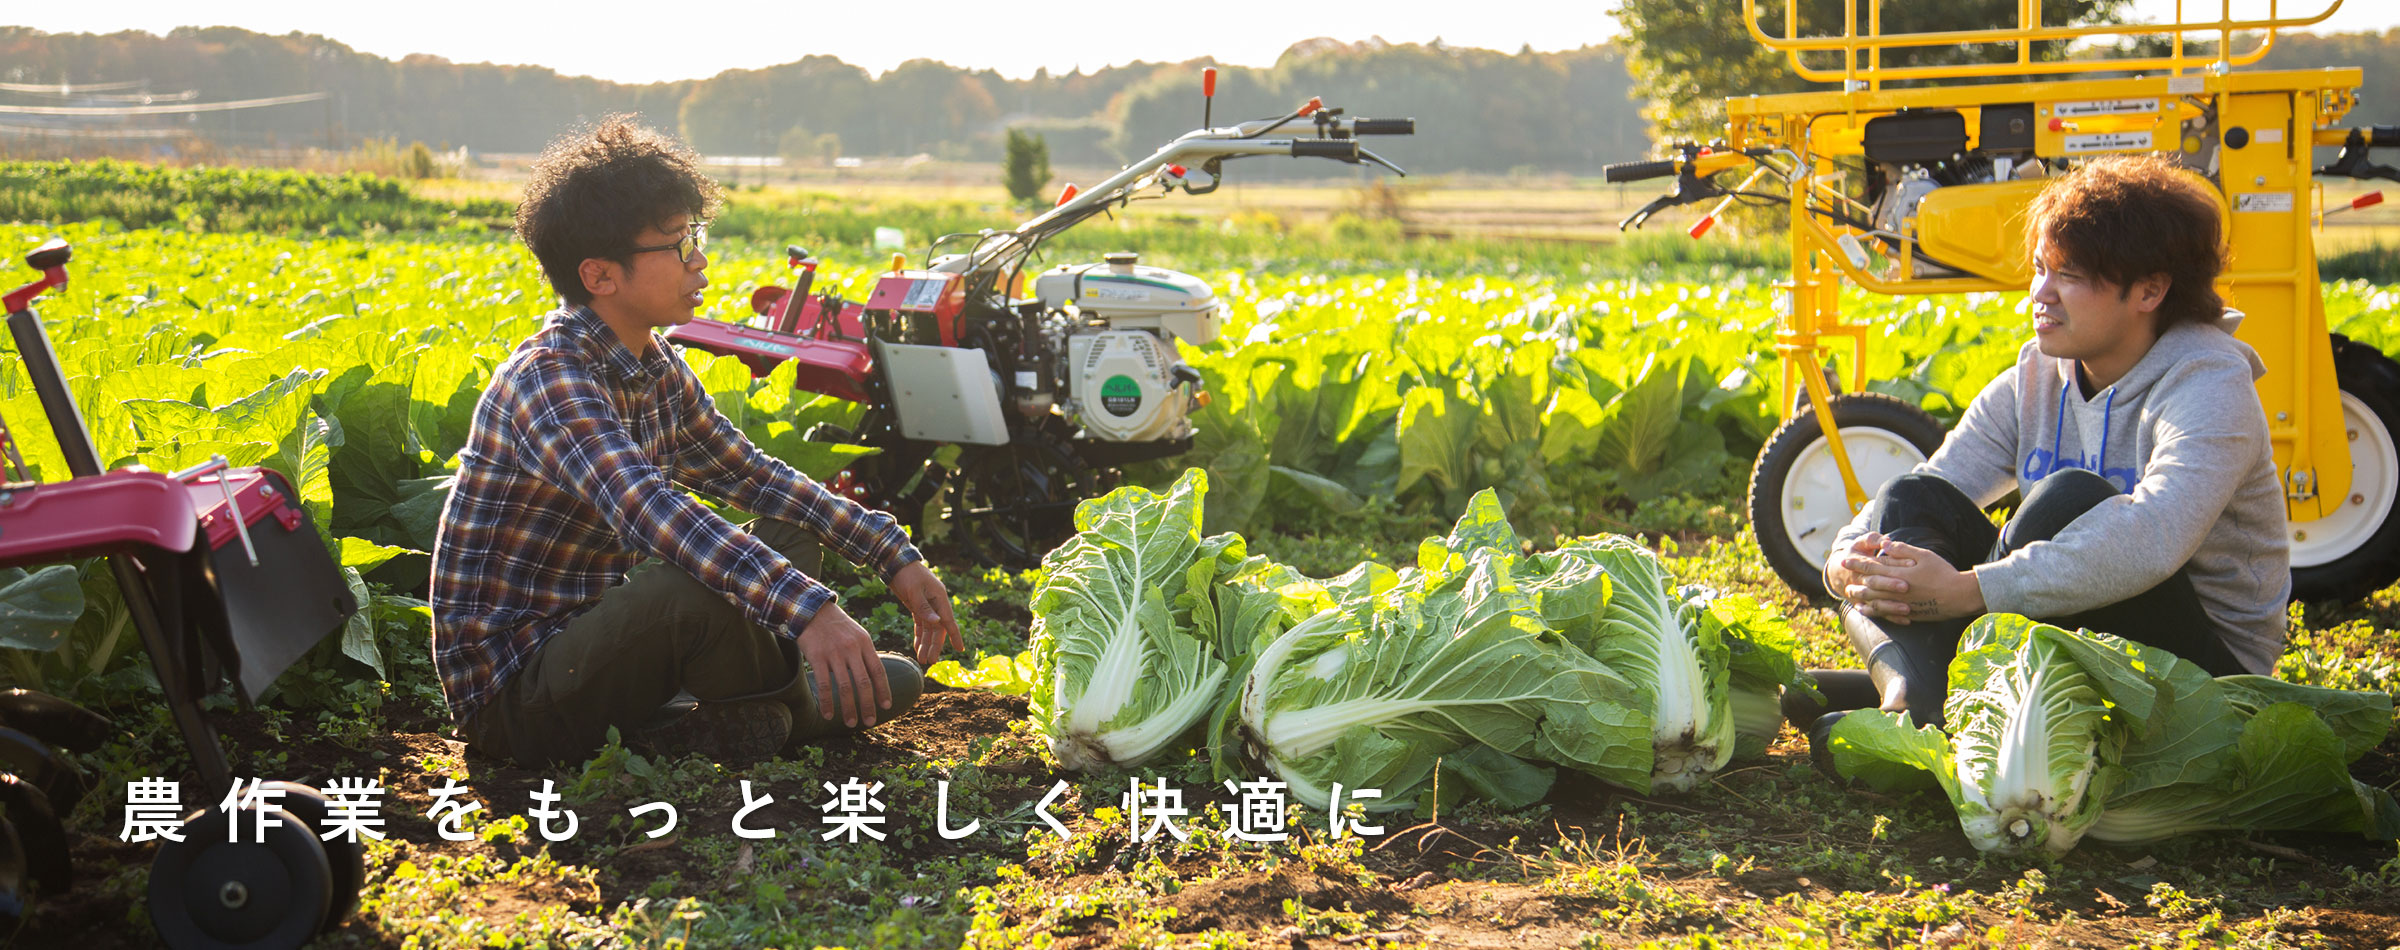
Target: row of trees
[(1479, 110)]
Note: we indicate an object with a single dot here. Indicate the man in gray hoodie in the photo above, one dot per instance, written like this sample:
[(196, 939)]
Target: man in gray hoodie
[(2131, 427)]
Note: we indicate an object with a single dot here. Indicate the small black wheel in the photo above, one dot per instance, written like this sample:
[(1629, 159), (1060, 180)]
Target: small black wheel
[(254, 895), (347, 858), (2354, 550), (1796, 500), (37, 828), (1010, 504), (12, 874)]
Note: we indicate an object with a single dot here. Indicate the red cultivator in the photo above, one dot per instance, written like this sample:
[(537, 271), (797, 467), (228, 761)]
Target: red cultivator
[(225, 580)]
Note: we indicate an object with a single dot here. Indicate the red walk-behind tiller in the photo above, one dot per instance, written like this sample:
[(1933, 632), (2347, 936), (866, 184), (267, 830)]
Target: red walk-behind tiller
[(225, 579)]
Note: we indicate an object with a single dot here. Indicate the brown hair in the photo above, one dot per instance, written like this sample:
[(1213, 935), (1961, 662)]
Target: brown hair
[(2124, 218), (593, 191)]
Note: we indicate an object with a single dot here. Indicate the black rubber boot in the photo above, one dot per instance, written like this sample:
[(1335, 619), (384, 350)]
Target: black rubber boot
[(907, 683)]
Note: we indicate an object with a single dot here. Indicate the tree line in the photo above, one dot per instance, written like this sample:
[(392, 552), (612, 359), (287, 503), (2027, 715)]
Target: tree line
[(1477, 110), (1481, 110)]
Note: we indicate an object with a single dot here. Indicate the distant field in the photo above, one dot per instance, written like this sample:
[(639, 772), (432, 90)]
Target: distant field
[(1557, 208)]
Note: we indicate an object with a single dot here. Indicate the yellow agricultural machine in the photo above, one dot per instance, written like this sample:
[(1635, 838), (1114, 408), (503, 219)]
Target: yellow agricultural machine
[(1913, 179)]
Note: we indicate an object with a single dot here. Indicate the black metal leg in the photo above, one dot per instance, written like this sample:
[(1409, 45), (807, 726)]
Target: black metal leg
[(174, 677)]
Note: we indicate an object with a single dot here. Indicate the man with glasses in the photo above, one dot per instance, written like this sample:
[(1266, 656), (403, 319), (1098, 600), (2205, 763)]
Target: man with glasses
[(576, 586)]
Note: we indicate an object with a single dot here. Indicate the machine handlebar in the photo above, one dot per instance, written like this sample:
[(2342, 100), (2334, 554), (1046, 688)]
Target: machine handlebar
[(1339, 149), (1383, 126), (1638, 171)]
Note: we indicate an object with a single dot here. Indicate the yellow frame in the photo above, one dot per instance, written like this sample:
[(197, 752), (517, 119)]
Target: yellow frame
[(2265, 190)]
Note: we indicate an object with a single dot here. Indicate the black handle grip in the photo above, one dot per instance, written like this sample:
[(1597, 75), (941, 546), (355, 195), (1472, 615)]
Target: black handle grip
[(54, 253), (1343, 149), (1384, 126), (1636, 171), (2383, 136)]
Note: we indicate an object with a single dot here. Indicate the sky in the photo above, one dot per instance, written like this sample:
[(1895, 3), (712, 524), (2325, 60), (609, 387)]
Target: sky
[(647, 41)]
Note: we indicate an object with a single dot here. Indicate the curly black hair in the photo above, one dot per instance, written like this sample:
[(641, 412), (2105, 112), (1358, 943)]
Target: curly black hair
[(2125, 218), (595, 189)]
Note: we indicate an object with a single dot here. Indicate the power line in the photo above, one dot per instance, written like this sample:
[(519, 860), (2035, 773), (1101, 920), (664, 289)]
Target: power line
[(71, 88), (182, 109)]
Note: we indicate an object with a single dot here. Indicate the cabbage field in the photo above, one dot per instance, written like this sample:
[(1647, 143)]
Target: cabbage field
[(1360, 410)]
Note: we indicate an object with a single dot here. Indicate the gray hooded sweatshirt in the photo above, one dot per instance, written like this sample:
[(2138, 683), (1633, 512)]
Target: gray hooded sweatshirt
[(2183, 437)]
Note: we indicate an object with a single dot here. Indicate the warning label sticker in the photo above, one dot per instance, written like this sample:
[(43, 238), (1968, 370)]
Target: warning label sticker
[(2263, 201), (2069, 110), (2108, 142), (1120, 395), (1107, 292)]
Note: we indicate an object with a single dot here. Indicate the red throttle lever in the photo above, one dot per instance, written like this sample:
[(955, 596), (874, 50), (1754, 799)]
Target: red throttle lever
[(51, 259)]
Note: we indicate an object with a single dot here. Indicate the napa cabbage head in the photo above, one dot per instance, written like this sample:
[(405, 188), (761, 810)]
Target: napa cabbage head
[(2037, 715), (1448, 668), (1123, 667), (2037, 719), (2060, 735), (2267, 756), (1376, 693), (1666, 642)]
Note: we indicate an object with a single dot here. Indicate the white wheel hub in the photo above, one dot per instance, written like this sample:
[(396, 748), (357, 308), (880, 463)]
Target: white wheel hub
[(1813, 503), (2374, 485)]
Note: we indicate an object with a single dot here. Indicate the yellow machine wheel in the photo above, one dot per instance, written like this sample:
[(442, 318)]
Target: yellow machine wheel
[(2355, 550), (1797, 502)]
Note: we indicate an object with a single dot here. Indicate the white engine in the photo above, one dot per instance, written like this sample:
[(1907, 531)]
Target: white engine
[(1126, 382)]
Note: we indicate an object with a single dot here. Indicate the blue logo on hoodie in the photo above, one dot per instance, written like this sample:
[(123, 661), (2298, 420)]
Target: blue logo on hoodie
[(2040, 464), (2043, 463)]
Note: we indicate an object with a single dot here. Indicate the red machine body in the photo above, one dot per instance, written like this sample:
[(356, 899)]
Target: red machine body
[(100, 514), (256, 492), (925, 294), (835, 367)]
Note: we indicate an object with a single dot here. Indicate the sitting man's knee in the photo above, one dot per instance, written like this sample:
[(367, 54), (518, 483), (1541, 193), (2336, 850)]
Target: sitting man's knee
[(2074, 488), (794, 541), (1919, 489)]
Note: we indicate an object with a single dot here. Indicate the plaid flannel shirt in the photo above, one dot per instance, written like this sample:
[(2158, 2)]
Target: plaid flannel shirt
[(569, 478)]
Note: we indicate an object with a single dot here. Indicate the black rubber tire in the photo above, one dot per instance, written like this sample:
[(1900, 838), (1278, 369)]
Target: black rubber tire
[(46, 860), (287, 885), (346, 858), (54, 720), (2374, 380), (1804, 571)]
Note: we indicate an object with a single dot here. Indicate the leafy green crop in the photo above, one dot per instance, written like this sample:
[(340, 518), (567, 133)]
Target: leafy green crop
[(353, 366), (2057, 734)]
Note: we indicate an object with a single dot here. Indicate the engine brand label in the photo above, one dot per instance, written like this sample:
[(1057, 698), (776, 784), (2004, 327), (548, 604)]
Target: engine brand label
[(2069, 110), (924, 294), (1120, 395), (1113, 292), (2108, 142), (2263, 201)]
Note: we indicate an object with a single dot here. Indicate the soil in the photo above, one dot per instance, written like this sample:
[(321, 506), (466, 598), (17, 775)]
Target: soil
[(1411, 896)]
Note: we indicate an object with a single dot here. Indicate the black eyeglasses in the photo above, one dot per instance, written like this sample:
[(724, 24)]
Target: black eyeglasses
[(684, 247)]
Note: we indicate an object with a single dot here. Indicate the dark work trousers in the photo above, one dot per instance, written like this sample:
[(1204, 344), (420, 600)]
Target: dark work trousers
[(1930, 513), (617, 664)]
